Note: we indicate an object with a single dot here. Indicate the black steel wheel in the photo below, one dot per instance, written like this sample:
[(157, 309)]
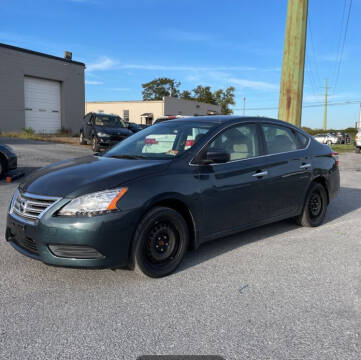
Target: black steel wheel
[(161, 241), (315, 206)]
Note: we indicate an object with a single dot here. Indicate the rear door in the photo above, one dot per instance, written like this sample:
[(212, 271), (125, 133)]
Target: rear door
[(289, 169)]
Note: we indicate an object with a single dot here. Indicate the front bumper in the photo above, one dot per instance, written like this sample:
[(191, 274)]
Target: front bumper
[(108, 142), (110, 235)]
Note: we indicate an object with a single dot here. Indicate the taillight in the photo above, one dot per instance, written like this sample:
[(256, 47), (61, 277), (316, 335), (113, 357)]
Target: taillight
[(150, 141), (190, 142), (335, 156)]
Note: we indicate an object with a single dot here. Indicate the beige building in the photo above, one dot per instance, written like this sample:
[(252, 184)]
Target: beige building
[(145, 112)]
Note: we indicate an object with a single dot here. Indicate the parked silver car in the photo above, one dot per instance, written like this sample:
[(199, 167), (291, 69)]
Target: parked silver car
[(328, 139)]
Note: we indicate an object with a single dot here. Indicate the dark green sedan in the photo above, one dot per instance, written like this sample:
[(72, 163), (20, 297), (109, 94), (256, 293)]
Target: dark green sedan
[(171, 187)]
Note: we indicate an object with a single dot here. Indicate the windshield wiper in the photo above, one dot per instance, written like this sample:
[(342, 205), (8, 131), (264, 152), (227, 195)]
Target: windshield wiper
[(132, 157)]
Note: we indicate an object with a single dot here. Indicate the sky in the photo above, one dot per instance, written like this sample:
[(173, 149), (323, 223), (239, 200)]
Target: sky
[(209, 42)]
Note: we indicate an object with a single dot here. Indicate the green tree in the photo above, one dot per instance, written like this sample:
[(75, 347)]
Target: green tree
[(187, 95), (204, 94), (225, 99), (158, 88)]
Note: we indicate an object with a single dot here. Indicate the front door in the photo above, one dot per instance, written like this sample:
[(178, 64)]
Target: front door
[(235, 198)]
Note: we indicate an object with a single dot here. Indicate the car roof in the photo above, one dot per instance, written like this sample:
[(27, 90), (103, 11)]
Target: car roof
[(102, 114), (223, 119)]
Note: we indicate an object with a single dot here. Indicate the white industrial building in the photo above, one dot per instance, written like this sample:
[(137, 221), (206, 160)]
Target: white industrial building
[(145, 112)]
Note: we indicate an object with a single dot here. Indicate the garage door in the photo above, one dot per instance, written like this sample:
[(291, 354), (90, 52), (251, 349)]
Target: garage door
[(42, 105)]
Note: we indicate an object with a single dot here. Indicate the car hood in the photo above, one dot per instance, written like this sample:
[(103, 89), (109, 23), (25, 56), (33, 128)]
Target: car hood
[(113, 131), (75, 177)]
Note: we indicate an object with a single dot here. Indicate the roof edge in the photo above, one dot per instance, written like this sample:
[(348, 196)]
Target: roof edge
[(32, 52)]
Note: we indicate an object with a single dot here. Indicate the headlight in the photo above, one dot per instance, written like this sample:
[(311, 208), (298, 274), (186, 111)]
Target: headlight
[(97, 203), (102, 134)]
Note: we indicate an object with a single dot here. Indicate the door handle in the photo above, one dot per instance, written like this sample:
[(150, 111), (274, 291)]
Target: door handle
[(262, 173), (305, 166)]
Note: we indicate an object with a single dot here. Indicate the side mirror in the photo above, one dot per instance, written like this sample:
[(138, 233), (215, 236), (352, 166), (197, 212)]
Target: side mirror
[(216, 157)]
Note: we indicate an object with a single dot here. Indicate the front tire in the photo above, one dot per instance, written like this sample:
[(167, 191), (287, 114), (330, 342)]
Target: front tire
[(161, 240), (315, 207), (95, 144), (357, 150)]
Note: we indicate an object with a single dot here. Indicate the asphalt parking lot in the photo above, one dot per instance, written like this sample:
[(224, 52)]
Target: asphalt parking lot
[(276, 292)]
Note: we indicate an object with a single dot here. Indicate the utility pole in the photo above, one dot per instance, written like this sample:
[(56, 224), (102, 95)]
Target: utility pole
[(293, 65), (244, 105), (325, 111)]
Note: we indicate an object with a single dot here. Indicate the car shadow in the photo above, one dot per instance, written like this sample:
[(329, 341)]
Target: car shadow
[(348, 200), (24, 171)]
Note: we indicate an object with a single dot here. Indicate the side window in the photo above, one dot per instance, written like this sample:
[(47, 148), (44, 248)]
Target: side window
[(241, 142), (279, 139), (302, 139)]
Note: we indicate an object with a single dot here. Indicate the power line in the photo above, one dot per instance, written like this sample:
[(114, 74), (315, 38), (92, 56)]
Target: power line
[(343, 47), (315, 58), (310, 75), (339, 41), (321, 104)]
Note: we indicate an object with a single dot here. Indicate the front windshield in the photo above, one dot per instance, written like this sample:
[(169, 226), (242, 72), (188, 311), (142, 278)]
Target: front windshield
[(162, 141), (109, 121)]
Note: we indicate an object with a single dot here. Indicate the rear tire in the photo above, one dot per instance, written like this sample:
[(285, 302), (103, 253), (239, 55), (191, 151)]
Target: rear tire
[(161, 240), (95, 144), (315, 207), (81, 139)]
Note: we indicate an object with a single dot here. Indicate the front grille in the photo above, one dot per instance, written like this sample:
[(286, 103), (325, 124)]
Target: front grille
[(117, 137), (26, 243), (31, 207)]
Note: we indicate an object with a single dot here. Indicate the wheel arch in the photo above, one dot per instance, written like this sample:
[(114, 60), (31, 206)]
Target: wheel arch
[(172, 202), (323, 181)]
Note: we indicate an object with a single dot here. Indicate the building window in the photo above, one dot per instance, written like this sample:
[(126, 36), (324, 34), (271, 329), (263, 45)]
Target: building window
[(126, 115)]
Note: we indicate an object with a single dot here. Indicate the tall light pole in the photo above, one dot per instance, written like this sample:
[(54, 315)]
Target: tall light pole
[(293, 66), (244, 106)]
